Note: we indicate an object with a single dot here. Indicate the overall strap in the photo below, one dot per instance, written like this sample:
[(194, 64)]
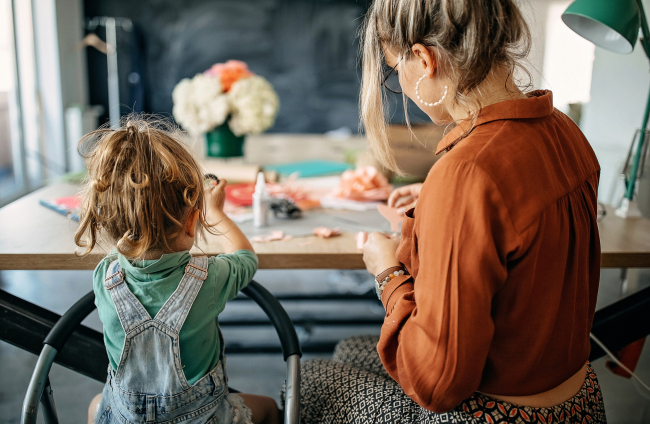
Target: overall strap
[(129, 309), (175, 310)]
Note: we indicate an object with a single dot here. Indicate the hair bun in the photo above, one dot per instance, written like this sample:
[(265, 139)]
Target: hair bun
[(132, 127)]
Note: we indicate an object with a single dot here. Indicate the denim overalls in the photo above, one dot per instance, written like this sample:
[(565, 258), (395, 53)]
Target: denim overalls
[(149, 385)]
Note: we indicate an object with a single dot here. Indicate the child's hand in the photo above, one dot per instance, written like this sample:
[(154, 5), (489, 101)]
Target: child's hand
[(215, 197)]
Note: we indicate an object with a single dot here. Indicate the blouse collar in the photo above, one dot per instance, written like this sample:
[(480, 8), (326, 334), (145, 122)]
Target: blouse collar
[(538, 104)]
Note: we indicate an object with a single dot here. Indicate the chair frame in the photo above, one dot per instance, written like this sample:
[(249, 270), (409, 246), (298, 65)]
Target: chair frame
[(40, 390)]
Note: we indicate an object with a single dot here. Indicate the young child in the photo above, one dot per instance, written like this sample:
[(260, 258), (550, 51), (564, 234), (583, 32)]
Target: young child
[(159, 305)]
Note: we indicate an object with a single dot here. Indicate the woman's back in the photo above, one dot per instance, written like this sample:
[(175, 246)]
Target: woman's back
[(547, 175), (502, 247), (504, 251)]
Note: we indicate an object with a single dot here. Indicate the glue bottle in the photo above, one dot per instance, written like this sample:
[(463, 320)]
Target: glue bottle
[(260, 202)]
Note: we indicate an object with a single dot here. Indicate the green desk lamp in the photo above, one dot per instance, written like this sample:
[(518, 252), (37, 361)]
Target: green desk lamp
[(614, 25)]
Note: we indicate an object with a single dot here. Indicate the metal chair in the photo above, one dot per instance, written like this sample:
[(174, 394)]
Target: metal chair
[(39, 386)]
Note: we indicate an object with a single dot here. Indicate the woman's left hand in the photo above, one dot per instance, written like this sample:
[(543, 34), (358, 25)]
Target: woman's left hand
[(379, 252)]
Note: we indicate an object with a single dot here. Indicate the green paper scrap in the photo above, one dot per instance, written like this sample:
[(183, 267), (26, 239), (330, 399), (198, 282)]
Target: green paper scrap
[(310, 168)]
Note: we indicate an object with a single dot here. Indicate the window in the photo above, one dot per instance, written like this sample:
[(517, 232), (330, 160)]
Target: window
[(21, 170)]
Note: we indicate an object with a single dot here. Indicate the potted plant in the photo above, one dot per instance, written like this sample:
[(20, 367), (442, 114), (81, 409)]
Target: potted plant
[(224, 104)]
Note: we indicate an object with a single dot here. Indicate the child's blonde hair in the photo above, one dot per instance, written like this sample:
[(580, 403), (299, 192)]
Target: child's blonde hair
[(142, 185)]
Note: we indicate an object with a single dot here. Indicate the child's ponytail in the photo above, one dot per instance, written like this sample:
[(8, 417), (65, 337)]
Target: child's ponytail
[(142, 184)]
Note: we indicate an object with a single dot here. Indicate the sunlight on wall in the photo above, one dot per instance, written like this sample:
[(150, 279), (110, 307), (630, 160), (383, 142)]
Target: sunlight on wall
[(6, 47), (568, 60)]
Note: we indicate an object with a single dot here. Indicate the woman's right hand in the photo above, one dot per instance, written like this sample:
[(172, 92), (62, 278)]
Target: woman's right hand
[(405, 198)]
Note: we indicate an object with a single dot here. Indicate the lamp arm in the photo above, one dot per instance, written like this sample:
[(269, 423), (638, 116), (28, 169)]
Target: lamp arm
[(645, 42)]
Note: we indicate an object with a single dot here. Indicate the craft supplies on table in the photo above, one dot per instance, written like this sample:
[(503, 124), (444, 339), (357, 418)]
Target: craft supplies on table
[(365, 183), (339, 203), (260, 202), (230, 172), (309, 168), (68, 206), (41, 239), (391, 216)]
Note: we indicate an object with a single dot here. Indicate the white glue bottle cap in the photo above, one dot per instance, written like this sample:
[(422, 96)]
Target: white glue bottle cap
[(260, 185), (260, 202)]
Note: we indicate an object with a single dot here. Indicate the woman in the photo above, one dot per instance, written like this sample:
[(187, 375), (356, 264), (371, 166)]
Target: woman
[(491, 291)]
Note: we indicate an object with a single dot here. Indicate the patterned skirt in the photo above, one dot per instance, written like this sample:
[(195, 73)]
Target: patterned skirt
[(355, 388)]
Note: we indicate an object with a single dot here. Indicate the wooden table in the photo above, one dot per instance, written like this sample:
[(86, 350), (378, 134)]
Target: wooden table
[(33, 237)]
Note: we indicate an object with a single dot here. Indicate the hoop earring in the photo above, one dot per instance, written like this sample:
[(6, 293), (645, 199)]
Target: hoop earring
[(417, 93)]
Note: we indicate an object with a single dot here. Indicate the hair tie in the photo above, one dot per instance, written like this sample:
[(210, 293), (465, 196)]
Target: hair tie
[(131, 128)]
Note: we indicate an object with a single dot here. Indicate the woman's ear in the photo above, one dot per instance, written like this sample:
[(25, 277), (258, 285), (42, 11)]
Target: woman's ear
[(190, 223), (426, 58)]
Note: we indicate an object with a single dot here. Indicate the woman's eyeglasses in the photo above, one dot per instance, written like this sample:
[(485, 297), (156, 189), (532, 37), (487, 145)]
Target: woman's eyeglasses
[(391, 80)]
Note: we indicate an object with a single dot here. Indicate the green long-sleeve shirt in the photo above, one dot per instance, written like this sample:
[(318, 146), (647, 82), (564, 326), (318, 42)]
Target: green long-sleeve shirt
[(153, 281)]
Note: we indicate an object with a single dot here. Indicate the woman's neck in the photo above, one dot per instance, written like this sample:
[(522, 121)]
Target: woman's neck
[(497, 87)]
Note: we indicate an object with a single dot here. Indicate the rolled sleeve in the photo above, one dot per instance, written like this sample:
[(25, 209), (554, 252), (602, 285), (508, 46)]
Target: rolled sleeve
[(395, 290)]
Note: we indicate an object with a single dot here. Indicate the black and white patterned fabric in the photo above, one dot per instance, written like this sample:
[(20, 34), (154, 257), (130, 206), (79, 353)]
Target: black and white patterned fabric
[(355, 388), (360, 352)]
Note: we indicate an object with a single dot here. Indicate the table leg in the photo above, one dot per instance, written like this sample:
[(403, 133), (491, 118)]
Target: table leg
[(623, 282)]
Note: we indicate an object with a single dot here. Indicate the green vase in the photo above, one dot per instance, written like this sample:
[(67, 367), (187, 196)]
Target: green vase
[(221, 142)]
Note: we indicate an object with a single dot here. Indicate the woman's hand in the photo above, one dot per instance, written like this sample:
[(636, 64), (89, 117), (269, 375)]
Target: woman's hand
[(215, 198), (379, 252), (405, 198)]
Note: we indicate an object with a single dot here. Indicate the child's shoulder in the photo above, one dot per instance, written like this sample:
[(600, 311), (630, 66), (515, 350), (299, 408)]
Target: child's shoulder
[(99, 274)]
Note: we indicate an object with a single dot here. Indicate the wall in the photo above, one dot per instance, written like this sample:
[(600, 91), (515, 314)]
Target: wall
[(568, 60), (619, 91), (306, 49), (536, 13), (5, 134)]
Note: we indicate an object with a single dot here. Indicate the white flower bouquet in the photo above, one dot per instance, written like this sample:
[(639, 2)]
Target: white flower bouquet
[(227, 92)]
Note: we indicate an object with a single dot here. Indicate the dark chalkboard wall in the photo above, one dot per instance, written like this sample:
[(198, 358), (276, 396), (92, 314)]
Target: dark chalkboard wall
[(307, 49)]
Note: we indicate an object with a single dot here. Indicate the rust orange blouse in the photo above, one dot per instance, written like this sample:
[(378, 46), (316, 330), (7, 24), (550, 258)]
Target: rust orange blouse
[(504, 256)]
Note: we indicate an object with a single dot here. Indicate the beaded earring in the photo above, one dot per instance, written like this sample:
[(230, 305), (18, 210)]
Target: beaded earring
[(417, 93)]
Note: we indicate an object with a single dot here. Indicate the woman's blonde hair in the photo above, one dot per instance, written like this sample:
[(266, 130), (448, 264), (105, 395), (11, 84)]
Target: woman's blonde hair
[(471, 37), (142, 185)]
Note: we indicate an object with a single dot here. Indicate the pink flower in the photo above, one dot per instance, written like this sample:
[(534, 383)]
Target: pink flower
[(229, 73)]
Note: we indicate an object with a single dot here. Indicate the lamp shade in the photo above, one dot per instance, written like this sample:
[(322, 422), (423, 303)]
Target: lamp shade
[(610, 24)]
